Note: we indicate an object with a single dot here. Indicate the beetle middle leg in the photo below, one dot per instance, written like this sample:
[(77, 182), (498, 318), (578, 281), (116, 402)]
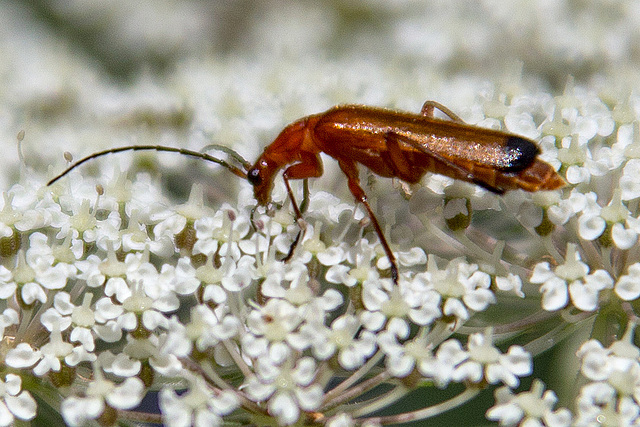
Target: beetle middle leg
[(351, 170)]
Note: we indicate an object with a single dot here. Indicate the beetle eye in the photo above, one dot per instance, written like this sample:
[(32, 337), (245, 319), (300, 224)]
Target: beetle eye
[(254, 177)]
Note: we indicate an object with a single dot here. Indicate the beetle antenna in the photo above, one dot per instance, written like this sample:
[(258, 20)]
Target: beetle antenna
[(234, 169), (230, 152)]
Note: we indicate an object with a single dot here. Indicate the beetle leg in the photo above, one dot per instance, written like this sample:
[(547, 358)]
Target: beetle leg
[(392, 139), (310, 166), (351, 170), (397, 160), (302, 227), (429, 106), (305, 196)]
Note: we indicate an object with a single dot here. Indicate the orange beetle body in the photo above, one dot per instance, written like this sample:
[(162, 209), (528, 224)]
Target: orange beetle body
[(405, 146), (401, 145)]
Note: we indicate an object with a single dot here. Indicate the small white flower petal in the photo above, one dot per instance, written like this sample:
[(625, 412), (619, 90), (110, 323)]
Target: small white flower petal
[(283, 406), (23, 356), (127, 395), (624, 238), (6, 417), (22, 406), (76, 411), (591, 226), (628, 286), (555, 294), (309, 398), (583, 297)]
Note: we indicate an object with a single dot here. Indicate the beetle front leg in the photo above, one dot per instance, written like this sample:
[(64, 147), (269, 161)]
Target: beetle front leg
[(310, 166)]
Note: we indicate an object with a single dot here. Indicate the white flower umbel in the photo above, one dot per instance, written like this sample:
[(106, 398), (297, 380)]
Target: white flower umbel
[(149, 272)]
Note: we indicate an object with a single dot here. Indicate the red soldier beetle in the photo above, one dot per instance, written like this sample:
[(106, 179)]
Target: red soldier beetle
[(391, 144)]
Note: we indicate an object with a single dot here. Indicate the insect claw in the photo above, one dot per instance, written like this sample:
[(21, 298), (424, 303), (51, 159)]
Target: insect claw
[(252, 218), (271, 209), (394, 273)]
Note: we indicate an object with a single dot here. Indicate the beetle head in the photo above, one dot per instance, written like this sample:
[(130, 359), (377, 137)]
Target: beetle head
[(261, 177)]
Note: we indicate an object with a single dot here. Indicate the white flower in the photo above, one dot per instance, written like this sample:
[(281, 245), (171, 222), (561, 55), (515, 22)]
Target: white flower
[(598, 401), (582, 162), (136, 238), (385, 301), (271, 326), (8, 317), (65, 314), (577, 203), (630, 180), (622, 227), (484, 361), (22, 356), (570, 278), (29, 279), (206, 329), (628, 285), (341, 420), (531, 211), (599, 363), (402, 358), (529, 408), (511, 283), (14, 402), (440, 368), (200, 406), (139, 351), (221, 232), (287, 389), (615, 375), (50, 356), (56, 350), (141, 300), (462, 287), (361, 256), (352, 345), (330, 207), (8, 215), (99, 394)]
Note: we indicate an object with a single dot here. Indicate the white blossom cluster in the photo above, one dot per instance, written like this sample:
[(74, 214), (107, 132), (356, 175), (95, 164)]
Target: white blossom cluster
[(118, 282), (114, 290), (110, 290)]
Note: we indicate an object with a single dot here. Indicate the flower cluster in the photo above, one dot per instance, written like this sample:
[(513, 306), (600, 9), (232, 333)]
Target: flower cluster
[(112, 291), (611, 395), (115, 290)]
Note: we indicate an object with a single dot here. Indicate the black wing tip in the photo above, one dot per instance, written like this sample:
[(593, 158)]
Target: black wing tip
[(522, 151)]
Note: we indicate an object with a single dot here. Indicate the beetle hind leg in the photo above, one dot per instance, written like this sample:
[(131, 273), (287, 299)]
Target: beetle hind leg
[(429, 106)]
